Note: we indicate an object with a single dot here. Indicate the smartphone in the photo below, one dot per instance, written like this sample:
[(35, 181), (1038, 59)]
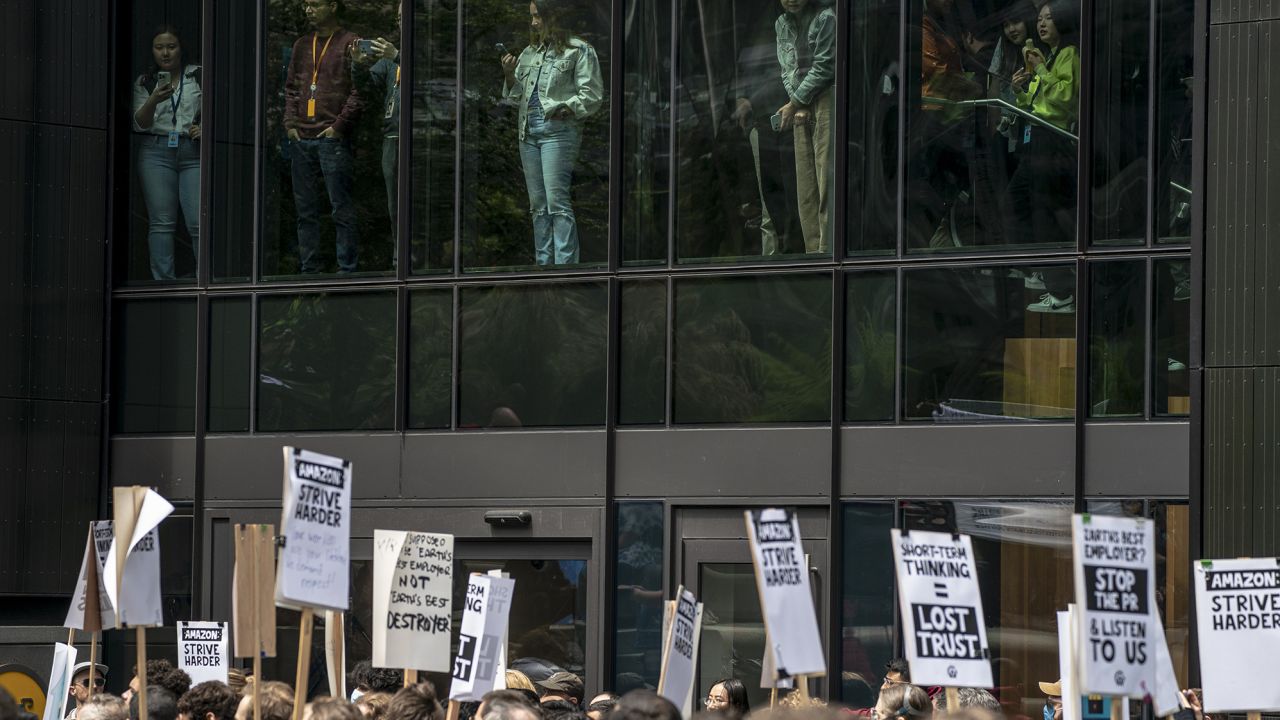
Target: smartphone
[(365, 46), (775, 121), (162, 78), (502, 49)]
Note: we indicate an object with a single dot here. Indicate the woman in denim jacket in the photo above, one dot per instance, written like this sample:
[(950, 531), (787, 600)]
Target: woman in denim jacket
[(556, 81)]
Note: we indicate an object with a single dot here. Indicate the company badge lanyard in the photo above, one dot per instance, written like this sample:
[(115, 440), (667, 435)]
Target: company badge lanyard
[(175, 100), (315, 72), (392, 96)]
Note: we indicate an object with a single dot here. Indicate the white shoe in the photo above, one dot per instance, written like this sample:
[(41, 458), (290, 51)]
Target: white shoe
[(1050, 304), (1034, 281), (1176, 366)]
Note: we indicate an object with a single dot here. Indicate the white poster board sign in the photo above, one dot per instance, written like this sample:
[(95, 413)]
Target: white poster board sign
[(202, 651), (1167, 699), (92, 571), (135, 595), (55, 704), (944, 629), (1238, 620), (1114, 568), (782, 578), (680, 652), (481, 637), (412, 600), (316, 531), (1067, 666)]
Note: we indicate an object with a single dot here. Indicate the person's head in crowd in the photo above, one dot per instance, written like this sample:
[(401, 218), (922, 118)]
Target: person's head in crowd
[(161, 704), (896, 671), (629, 681), (547, 23), (1056, 23), (166, 50), (856, 691), (176, 681), (8, 707), (331, 708), (970, 697), (373, 705), (79, 688), (556, 708), (157, 671), (322, 14), (1018, 23), (562, 686), (601, 705), (494, 698), (795, 701), (366, 678), (416, 702), (236, 680), (210, 700), (103, 706), (728, 696), (644, 704), (1052, 699), (903, 702), (517, 680), (566, 715), (275, 701)]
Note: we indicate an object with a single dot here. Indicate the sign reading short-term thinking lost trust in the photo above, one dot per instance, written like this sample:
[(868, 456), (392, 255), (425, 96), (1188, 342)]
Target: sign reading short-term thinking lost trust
[(482, 636), (681, 652), (202, 651), (1238, 618), (943, 625), (315, 528), (1113, 566), (412, 600), (782, 578)]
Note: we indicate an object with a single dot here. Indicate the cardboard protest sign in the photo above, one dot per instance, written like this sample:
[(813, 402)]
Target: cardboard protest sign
[(315, 556), (482, 636), (202, 651), (680, 652), (253, 610), (500, 673), (1238, 620), (1115, 597), (944, 629), (90, 604), (1167, 698), (55, 704), (412, 599), (132, 567), (782, 579)]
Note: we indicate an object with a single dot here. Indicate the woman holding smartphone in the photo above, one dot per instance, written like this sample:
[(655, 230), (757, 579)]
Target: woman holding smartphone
[(166, 116)]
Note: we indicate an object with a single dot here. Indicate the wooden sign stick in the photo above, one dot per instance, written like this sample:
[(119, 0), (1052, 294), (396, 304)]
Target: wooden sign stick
[(142, 670), (802, 686), (304, 661), (1115, 707), (257, 638), (953, 700), (93, 660), (71, 637), (410, 677), (454, 710), (773, 696), (1255, 715)]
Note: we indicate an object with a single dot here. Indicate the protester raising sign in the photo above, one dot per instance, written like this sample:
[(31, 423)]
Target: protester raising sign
[(131, 569), (316, 531), (680, 652), (1238, 620), (481, 637), (782, 579), (202, 651), (1114, 566), (943, 625), (412, 599), (90, 604)]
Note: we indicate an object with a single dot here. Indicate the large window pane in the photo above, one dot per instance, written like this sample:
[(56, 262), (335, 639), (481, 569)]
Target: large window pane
[(1171, 356), (642, 350), (875, 83), (230, 363), (324, 204), (154, 366), (978, 172), (326, 362), (1175, 27), (753, 349), (1117, 337), (230, 226), (871, 345), (755, 121), (535, 134), (646, 130), (1121, 80), (430, 358), (533, 355), (990, 344), (638, 596), (435, 116), (164, 105), (867, 601)]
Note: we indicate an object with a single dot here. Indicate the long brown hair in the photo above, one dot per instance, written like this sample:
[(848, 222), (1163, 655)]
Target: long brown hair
[(554, 33)]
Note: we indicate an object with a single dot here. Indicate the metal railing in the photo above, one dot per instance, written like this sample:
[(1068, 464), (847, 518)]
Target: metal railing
[(1004, 105)]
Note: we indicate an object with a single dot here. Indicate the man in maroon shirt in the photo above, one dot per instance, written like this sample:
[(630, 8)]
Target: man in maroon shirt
[(320, 108)]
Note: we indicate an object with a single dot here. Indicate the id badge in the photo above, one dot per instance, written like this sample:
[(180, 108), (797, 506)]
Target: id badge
[(173, 138), (1026, 134), (391, 109), (311, 108)]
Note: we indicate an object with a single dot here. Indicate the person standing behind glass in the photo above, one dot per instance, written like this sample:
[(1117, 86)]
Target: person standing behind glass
[(321, 105), (384, 75), (807, 52), (166, 112), (556, 81)]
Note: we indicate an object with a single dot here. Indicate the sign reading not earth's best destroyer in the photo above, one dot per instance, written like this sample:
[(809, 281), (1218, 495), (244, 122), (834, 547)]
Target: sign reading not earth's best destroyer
[(316, 531), (782, 577)]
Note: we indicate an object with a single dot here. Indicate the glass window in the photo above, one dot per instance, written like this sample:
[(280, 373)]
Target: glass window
[(1173, 569), (165, 101), (642, 375), (230, 363), (867, 601), (230, 224), (639, 604), (326, 362), (753, 349), (875, 83), (325, 199), (991, 129), (435, 115), (430, 358), (1121, 80), (732, 629), (533, 355), (646, 131), (1175, 27), (990, 344), (154, 366), (871, 345), (1171, 356), (535, 134), (755, 119), (1117, 337)]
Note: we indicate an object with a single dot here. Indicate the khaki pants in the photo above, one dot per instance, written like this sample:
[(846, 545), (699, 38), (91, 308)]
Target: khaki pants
[(814, 174)]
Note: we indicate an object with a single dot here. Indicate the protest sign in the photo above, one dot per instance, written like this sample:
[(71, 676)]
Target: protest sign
[(782, 579), (315, 528), (202, 651), (1115, 597), (944, 629), (1238, 623), (481, 637), (64, 660), (1167, 698), (500, 674), (90, 604), (680, 652), (132, 567), (412, 599), (1067, 665), (253, 610)]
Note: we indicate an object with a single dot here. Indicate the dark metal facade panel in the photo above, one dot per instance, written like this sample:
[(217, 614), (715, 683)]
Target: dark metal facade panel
[(13, 490), (1267, 218), (60, 51), (1242, 462), (15, 211), (558, 464), (165, 463), (243, 467)]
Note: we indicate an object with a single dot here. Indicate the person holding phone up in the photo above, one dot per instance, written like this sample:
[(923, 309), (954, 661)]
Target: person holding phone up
[(166, 114)]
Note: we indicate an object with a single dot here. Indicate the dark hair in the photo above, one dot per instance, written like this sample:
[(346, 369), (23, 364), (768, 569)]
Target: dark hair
[(568, 715), (416, 702), (1066, 18), (376, 678), (900, 666), (274, 697), (644, 705), (737, 692), (558, 707), (552, 14), (519, 697), (176, 681), (161, 704), (8, 708), (605, 706), (208, 697), (1019, 11)]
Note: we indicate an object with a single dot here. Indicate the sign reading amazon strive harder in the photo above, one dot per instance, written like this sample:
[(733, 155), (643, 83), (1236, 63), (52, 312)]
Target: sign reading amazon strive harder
[(1238, 618), (202, 651), (782, 578), (316, 531)]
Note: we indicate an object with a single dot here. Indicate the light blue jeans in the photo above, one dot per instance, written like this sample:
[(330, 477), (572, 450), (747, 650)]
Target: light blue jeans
[(170, 179), (549, 151)]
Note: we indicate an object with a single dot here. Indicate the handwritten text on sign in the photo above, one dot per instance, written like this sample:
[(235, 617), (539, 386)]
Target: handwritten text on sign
[(413, 600), (316, 527)]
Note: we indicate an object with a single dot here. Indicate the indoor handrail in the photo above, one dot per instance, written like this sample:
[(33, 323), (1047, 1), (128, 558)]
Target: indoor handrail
[(1003, 105)]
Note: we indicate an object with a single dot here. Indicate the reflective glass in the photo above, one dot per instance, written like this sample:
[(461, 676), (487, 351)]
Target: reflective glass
[(230, 222), (1171, 356), (875, 85), (435, 114), (430, 358), (154, 366), (642, 349), (230, 363), (867, 601), (1175, 25), (326, 362), (990, 344), (638, 596), (871, 345), (753, 349), (1173, 569), (755, 125), (1121, 72), (646, 130), (325, 199), (992, 124), (535, 134), (533, 355), (1117, 337), (732, 629)]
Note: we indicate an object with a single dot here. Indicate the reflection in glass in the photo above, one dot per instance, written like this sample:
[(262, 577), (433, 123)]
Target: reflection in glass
[(1175, 27), (871, 345), (867, 601), (376, 70), (435, 114), (230, 223), (1117, 336), (646, 130), (753, 349), (874, 97), (1173, 566), (1171, 356), (732, 629), (642, 351), (992, 344), (154, 366), (533, 355), (638, 596), (430, 358), (230, 363), (1121, 79), (326, 362)]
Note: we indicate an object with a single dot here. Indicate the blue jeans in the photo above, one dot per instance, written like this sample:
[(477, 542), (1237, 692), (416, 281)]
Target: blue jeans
[(170, 180), (549, 151), (323, 164)]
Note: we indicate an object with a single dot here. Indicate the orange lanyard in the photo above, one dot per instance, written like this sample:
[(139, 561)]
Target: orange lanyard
[(315, 64), (397, 76)]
